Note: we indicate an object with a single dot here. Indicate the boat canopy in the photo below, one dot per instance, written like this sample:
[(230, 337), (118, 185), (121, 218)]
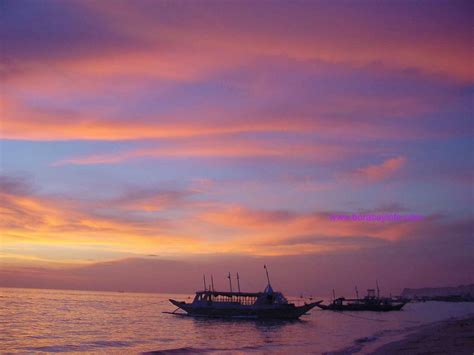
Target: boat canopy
[(229, 294)]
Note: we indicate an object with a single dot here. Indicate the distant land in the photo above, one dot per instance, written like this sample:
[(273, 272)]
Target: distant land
[(462, 290)]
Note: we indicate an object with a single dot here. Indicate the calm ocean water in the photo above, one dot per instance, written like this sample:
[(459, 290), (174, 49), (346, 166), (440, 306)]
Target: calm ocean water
[(78, 321)]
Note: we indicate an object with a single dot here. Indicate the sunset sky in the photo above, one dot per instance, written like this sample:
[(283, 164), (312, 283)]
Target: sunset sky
[(158, 140)]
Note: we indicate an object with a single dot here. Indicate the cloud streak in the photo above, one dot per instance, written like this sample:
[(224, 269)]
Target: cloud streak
[(377, 172), (175, 33)]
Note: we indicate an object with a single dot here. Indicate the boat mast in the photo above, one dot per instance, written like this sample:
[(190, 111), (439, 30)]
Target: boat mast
[(212, 283), (357, 293), (204, 280), (333, 295), (266, 270), (378, 290), (230, 282), (238, 281)]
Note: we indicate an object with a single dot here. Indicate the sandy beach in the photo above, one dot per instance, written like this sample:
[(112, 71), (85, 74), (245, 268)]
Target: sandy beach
[(454, 336)]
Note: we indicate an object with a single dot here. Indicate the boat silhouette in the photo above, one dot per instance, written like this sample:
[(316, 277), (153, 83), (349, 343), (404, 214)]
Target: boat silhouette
[(268, 304), (371, 302)]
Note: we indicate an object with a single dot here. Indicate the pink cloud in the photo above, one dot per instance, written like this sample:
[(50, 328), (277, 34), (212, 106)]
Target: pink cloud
[(218, 147), (378, 172)]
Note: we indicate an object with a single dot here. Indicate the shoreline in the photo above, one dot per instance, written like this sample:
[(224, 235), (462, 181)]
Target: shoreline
[(451, 336)]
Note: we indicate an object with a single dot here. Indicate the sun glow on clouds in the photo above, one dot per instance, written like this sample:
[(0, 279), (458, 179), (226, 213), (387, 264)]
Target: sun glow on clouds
[(133, 222), (230, 127)]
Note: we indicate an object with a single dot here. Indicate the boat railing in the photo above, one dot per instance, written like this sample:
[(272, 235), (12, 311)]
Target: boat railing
[(227, 297)]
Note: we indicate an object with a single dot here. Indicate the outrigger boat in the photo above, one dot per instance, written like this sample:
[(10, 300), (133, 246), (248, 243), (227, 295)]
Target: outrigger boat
[(371, 302), (268, 304)]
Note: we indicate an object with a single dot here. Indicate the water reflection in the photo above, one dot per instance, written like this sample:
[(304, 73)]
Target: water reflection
[(49, 320)]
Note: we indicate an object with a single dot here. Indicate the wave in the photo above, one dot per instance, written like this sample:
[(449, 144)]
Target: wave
[(79, 347), (191, 350), (183, 350)]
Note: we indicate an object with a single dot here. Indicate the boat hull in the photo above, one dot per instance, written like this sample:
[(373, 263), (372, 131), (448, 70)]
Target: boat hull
[(288, 311), (363, 307)]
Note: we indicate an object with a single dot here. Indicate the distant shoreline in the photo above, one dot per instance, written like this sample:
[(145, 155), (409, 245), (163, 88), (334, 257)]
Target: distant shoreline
[(452, 336)]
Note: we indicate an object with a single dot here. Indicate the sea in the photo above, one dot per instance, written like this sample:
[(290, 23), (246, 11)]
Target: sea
[(35, 321)]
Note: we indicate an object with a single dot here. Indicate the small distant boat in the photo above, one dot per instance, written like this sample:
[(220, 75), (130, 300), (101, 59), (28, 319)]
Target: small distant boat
[(371, 302), (268, 304)]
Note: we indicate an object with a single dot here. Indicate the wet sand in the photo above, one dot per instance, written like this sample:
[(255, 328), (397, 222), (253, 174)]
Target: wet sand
[(447, 337)]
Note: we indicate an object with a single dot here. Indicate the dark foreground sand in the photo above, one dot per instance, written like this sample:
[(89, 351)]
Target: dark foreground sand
[(447, 337)]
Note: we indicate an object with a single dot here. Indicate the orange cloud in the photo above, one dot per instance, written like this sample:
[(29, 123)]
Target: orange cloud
[(169, 222), (22, 122), (28, 218), (277, 232)]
